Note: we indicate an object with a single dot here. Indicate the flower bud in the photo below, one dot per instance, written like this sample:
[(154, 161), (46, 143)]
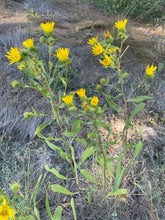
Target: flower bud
[(15, 84), (103, 81), (28, 115), (99, 88), (15, 187)]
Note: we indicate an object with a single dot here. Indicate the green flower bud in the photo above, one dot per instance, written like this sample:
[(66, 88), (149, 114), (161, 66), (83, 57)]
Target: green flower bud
[(15, 187), (28, 115), (15, 84), (103, 81), (51, 40), (99, 88)]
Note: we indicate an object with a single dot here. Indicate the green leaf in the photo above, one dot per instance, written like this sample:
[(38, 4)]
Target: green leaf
[(112, 104), (60, 189), (63, 80), (73, 208), (88, 176), (48, 207), (138, 148), (54, 171), (139, 99), (73, 157), (117, 192), (57, 213), (118, 180), (87, 153), (34, 197), (29, 217), (136, 110), (124, 75), (40, 128), (54, 147), (82, 141), (75, 129)]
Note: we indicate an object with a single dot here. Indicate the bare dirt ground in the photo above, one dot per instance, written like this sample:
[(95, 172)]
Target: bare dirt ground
[(74, 25)]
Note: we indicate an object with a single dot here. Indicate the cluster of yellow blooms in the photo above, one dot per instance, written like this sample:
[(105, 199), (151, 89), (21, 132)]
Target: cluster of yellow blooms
[(85, 101), (15, 55), (6, 211), (109, 52)]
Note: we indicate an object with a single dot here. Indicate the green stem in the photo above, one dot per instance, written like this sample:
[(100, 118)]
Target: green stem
[(62, 131)]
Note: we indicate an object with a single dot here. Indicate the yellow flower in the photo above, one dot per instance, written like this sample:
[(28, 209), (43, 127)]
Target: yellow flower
[(94, 101), (107, 35), (112, 50), (92, 40), (20, 66), (106, 61), (97, 49), (14, 55), (121, 24), (28, 43), (68, 99), (6, 212), (150, 70), (81, 92), (48, 27), (62, 54)]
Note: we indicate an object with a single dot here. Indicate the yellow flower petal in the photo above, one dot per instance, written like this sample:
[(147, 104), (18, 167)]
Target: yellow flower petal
[(106, 61), (92, 40), (81, 92), (62, 54), (150, 70), (14, 55), (28, 43), (48, 27), (97, 49), (68, 99), (121, 24), (94, 101), (6, 212)]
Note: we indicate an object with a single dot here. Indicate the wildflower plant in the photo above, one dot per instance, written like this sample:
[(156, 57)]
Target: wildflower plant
[(87, 112)]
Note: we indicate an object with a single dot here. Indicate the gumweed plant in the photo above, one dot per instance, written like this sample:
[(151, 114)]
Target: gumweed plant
[(86, 111)]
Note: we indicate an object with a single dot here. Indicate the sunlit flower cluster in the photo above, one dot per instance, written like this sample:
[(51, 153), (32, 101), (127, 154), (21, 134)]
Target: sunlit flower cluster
[(87, 103)]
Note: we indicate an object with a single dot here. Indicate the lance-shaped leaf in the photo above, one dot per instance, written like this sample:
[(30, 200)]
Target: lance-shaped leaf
[(29, 217), (88, 176), (87, 153), (57, 213), (60, 189), (73, 209), (138, 148), (77, 125), (117, 192), (136, 110), (112, 104), (139, 99), (54, 171)]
